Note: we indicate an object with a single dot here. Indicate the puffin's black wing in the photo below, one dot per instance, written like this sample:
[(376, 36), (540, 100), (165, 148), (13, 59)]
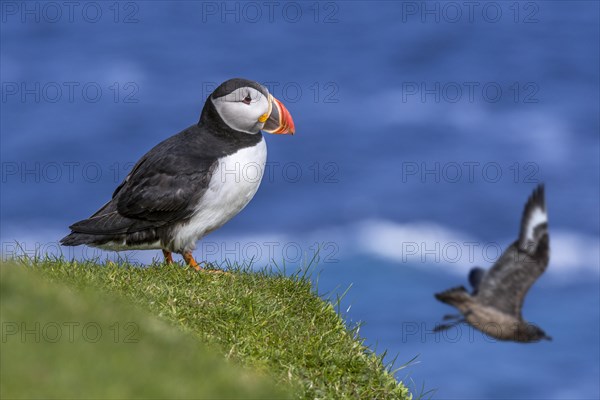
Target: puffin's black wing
[(164, 186), (505, 285)]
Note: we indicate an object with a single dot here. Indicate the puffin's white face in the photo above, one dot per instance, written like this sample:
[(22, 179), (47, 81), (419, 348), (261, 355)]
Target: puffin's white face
[(245, 109)]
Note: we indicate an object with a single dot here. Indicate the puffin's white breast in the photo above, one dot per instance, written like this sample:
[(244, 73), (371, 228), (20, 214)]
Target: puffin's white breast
[(233, 184)]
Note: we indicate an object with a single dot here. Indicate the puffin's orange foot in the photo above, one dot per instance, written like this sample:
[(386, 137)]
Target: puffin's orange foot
[(168, 257), (189, 259)]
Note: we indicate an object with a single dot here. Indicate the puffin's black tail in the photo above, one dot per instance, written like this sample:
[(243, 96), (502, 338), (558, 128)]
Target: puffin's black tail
[(453, 296), (106, 225), (76, 239)]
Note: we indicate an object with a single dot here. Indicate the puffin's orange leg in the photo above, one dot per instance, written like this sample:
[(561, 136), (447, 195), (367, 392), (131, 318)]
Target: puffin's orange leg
[(168, 257), (189, 260)]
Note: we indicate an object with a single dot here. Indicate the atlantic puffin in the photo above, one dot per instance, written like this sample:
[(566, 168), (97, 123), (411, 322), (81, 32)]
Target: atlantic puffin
[(193, 182), (494, 306)]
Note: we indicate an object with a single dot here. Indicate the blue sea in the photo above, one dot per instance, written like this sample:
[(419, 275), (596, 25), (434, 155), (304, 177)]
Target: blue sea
[(422, 128)]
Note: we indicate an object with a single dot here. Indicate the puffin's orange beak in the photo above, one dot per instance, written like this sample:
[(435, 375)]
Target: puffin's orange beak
[(280, 120)]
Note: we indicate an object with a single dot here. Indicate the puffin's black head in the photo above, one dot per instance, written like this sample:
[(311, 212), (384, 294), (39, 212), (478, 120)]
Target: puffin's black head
[(247, 106)]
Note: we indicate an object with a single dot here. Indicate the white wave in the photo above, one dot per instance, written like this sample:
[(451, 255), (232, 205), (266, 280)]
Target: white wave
[(573, 252), (425, 244), (422, 244), (412, 245)]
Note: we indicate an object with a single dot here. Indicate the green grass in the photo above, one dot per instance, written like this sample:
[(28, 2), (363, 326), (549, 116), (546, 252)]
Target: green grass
[(63, 344), (273, 325)]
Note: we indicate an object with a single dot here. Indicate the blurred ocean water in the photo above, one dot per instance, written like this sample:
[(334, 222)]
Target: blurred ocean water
[(421, 130)]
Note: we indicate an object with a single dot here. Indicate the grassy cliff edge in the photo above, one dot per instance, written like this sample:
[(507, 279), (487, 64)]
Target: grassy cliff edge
[(275, 326)]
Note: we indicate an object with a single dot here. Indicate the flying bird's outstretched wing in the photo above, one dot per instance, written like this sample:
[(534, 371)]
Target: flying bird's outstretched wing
[(534, 223), (476, 275), (505, 285)]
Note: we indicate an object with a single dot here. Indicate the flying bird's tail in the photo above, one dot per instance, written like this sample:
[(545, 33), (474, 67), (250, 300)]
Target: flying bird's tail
[(457, 297), (454, 296), (443, 327)]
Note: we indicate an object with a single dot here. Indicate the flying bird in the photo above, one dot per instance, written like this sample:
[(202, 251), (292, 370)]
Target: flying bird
[(494, 306), (193, 182)]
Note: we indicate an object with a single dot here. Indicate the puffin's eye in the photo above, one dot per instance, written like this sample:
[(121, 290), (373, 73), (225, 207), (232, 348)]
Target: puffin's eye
[(247, 100)]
